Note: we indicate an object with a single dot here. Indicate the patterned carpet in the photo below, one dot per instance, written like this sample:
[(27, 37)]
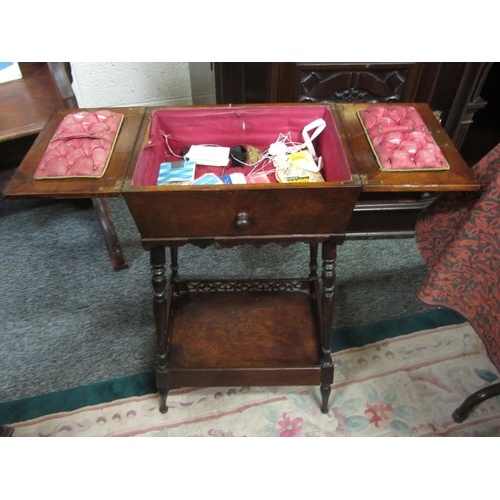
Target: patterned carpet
[(405, 386)]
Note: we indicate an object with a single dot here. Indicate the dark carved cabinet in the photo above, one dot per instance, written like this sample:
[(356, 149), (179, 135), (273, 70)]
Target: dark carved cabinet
[(343, 82)]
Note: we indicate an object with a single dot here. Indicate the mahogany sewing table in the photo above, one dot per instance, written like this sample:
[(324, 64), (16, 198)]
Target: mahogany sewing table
[(244, 332)]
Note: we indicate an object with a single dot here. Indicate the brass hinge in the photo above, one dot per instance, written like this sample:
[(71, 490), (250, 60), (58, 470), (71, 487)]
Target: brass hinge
[(363, 180), (356, 179)]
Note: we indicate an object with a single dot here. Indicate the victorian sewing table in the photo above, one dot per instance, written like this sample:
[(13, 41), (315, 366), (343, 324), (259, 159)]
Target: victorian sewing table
[(242, 332)]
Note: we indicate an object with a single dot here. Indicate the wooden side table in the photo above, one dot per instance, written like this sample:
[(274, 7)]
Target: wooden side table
[(249, 332)]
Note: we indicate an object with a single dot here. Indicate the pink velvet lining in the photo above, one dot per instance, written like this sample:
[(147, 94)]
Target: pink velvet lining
[(233, 126), (400, 139)]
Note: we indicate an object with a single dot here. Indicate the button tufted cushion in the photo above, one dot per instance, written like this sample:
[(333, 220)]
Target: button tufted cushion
[(400, 139), (81, 146)]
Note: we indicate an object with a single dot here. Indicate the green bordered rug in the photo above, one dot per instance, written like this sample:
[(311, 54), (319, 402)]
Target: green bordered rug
[(142, 384)]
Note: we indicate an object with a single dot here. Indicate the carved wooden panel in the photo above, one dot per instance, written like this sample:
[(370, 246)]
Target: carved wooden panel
[(240, 83), (352, 82), (370, 85)]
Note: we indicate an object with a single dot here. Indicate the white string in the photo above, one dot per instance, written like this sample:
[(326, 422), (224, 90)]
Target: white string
[(268, 158), (168, 146)]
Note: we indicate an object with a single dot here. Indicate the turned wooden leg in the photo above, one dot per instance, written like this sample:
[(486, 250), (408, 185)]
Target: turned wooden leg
[(465, 409), (159, 281), (329, 254), (313, 267), (174, 267), (113, 245), (326, 381), (163, 393)]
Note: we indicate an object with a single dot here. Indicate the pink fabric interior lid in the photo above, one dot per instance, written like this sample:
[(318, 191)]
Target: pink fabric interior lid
[(400, 140), (81, 146)]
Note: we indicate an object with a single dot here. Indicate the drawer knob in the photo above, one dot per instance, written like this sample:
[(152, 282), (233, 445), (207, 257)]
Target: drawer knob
[(242, 221)]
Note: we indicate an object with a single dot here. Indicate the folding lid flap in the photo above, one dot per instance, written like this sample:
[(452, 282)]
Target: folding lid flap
[(27, 184), (374, 179)]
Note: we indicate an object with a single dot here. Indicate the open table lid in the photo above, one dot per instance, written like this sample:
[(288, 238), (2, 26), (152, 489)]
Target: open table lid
[(23, 184), (457, 178), (131, 139)]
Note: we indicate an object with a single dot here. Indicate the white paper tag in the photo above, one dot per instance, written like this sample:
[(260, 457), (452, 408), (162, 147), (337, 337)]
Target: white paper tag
[(214, 156)]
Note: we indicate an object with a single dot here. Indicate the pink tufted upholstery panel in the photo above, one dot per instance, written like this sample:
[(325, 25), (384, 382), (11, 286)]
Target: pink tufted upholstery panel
[(400, 139), (81, 146)]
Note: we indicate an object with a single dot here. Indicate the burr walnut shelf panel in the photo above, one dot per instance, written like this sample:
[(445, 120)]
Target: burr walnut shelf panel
[(252, 335), (244, 331)]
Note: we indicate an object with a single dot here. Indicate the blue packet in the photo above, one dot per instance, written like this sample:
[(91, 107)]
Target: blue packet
[(207, 179), (176, 172)]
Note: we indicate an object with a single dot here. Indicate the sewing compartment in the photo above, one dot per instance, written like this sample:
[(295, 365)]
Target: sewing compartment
[(252, 208)]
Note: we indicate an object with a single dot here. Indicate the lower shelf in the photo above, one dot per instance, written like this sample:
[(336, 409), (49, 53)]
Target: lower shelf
[(244, 338)]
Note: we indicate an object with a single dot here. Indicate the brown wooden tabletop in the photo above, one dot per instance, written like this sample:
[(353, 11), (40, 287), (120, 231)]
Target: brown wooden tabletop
[(27, 103), (357, 147)]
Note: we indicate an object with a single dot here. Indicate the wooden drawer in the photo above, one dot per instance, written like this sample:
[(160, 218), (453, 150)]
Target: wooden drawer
[(242, 211)]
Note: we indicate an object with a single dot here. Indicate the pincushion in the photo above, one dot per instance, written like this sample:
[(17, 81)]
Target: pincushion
[(400, 140), (81, 146)]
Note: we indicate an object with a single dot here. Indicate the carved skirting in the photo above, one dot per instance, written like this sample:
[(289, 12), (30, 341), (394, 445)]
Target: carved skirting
[(264, 285)]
